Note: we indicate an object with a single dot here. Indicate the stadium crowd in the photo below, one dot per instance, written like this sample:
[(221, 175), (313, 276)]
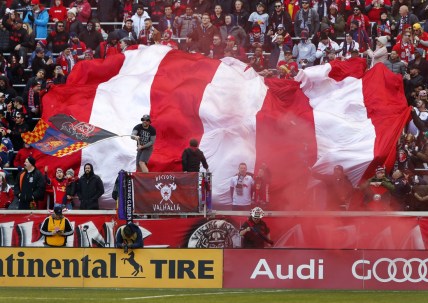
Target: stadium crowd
[(41, 41)]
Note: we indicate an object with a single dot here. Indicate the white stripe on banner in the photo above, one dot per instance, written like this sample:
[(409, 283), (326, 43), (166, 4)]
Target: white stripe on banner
[(228, 113), (345, 135), (109, 112)]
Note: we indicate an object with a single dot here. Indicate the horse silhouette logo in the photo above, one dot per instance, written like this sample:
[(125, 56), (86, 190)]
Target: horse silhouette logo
[(131, 260)]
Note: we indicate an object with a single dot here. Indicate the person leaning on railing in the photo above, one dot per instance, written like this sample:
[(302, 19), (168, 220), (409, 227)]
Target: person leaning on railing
[(129, 236)]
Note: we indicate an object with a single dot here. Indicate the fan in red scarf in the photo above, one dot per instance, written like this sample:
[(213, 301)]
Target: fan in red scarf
[(363, 20), (405, 48)]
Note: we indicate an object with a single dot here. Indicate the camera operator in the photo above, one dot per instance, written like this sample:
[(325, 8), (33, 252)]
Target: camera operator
[(59, 77), (129, 236)]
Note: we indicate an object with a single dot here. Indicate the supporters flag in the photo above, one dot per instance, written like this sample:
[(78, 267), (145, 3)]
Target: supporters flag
[(68, 136), (78, 130), (336, 114)]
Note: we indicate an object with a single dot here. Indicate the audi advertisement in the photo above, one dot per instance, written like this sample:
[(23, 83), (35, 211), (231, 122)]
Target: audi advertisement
[(326, 269)]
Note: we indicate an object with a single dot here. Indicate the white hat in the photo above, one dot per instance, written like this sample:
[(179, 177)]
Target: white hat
[(383, 40), (73, 11)]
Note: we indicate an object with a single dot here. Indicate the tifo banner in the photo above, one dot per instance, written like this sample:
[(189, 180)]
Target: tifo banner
[(326, 269), (312, 232), (333, 114), (166, 192), (85, 267)]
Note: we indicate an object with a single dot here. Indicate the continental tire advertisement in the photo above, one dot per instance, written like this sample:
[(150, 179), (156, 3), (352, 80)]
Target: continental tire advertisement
[(103, 267)]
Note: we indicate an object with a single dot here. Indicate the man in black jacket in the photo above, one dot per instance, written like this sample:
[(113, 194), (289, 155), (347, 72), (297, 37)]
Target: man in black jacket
[(89, 188), (192, 158), (30, 188), (91, 37), (58, 38)]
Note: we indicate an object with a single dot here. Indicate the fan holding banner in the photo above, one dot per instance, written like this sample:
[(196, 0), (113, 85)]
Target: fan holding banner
[(333, 114)]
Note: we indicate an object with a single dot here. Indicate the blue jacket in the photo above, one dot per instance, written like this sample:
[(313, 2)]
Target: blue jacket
[(40, 24)]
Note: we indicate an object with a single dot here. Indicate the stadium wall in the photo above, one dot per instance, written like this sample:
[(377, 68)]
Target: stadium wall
[(214, 268), (299, 230)]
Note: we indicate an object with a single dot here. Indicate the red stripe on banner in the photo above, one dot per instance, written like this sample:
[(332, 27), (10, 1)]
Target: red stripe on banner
[(76, 98), (96, 71), (285, 142), (388, 109), (354, 67), (176, 95)]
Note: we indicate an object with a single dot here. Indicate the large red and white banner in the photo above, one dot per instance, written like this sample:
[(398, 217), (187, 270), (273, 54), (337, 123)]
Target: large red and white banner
[(326, 269), (336, 113)]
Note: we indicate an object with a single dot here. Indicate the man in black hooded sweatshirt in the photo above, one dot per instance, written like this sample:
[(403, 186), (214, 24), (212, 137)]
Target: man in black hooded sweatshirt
[(192, 158), (89, 188)]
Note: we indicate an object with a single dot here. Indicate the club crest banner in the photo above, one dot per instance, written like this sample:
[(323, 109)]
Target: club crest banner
[(166, 192)]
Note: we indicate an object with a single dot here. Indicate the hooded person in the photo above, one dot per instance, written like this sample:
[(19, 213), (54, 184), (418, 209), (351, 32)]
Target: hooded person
[(90, 36), (57, 12), (108, 47), (30, 188), (90, 188)]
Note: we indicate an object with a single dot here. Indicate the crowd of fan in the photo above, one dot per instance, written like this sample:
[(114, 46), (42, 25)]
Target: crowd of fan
[(281, 36), (42, 40)]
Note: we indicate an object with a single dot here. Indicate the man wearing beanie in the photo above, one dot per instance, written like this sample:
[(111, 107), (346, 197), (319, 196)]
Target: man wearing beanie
[(30, 186)]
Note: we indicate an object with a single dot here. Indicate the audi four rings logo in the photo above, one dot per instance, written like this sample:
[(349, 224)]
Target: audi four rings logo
[(399, 270)]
